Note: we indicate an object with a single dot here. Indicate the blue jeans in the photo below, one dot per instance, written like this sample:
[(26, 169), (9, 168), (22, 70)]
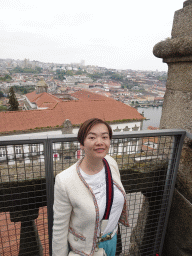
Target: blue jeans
[(109, 246)]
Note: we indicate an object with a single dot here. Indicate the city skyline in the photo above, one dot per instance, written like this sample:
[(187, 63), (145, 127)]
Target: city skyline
[(102, 33)]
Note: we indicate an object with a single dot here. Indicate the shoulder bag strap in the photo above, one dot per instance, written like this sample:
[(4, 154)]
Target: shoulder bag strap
[(109, 190)]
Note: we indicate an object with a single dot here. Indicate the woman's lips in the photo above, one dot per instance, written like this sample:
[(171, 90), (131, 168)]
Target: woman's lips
[(99, 150)]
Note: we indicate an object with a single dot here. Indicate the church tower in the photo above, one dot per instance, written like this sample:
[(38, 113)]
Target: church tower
[(41, 86)]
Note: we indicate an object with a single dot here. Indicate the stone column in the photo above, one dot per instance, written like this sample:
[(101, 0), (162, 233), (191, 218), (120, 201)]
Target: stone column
[(177, 53), (177, 113)]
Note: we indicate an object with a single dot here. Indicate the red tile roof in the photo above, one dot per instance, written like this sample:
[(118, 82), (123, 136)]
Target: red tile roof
[(151, 139), (152, 128), (76, 111), (87, 95), (43, 99), (32, 96)]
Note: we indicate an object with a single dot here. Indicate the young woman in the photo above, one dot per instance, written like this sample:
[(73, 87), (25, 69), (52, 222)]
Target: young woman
[(89, 198)]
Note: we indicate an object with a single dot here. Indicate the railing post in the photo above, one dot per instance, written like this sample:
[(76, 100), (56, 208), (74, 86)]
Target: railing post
[(167, 197), (48, 152)]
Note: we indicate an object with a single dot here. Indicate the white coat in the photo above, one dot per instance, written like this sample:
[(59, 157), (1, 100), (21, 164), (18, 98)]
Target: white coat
[(76, 213)]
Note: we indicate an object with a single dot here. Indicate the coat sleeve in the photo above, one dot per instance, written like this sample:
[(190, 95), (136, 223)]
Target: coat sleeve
[(62, 211)]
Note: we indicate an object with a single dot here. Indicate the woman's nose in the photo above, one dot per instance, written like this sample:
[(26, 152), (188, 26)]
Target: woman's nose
[(99, 140)]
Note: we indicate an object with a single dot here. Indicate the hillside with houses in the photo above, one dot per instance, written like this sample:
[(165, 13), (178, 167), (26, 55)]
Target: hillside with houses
[(132, 87)]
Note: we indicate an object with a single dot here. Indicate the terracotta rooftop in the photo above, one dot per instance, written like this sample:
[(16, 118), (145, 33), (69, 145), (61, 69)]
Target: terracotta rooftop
[(87, 95), (151, 139), (43, 99), (76, 111), (152, 128)]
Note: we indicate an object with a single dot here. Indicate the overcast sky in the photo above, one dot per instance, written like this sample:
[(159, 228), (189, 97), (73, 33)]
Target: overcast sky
[(113, 34)]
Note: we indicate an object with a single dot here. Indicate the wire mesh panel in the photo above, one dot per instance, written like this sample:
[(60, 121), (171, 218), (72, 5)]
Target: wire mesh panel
[(23, 203), (180, 217), (147, 168), (65, 154), (147, 163), (143, 172)]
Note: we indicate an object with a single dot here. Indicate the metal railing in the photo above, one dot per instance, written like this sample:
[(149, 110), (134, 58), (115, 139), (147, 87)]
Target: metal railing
[(148, 163)]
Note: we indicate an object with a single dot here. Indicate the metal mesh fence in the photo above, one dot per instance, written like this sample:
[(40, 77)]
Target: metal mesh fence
[(23, 203), (147, 164), (143, 164)]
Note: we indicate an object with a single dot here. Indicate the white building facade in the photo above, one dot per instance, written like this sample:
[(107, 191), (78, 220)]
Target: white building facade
[(28, 153)]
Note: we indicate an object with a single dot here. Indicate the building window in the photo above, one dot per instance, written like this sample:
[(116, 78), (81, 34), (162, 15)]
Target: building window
[(115, 150), (33, 148), (18, 151), (134, 142), (65, 145), (2, 153)]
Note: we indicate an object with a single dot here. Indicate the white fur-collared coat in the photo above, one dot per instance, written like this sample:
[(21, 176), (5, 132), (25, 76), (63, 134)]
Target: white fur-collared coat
[(76, 213)]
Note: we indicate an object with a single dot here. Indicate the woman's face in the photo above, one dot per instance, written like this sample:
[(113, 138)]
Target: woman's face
[(97, 142)]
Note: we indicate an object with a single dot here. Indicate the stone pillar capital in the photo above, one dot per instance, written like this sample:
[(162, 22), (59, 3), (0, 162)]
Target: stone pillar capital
[(186, 3)]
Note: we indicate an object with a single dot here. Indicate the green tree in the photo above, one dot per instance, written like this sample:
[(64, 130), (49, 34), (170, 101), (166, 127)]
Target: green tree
[(13, 103), (79, 72), (95, 76), (1, 94), (69, 73), (37, 70), (162, 78), (23, 89), (60, 74), (60, 77), (17, 70), (3, 108), (117, 77), (6, 78)]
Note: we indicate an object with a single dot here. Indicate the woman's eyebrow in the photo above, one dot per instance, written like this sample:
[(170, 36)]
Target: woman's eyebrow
[(91, 133), (96, 134)]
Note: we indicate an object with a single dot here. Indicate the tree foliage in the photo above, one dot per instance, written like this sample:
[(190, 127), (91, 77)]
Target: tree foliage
[(23, 89), (128, 83), (3, 108), (6, 78), (162, 78), (69, 73), (18, 69), (79, 72), (1, 94), (13, 102), (95, 76), (61, 73), (117, 77)]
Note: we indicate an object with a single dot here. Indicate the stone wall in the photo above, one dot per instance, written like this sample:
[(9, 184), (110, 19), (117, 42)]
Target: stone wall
[(177, 113)]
